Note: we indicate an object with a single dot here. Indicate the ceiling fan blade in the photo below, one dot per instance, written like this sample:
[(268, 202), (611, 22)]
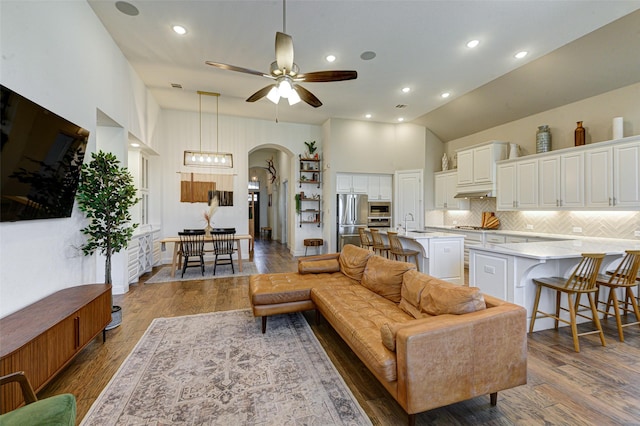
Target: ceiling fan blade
[(325, 76), (284, 51), (238, 69), (307, 96), (260, 93)]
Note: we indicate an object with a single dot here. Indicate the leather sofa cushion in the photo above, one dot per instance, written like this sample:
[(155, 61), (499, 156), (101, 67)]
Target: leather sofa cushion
[(440, 297), (318, 266), (384, 277), (388, 331), (353, 260), (268, 289), (413, 283), (357, 315)]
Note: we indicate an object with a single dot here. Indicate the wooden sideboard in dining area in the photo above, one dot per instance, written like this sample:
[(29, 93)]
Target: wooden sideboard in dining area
[(42, 338), (176, 246)]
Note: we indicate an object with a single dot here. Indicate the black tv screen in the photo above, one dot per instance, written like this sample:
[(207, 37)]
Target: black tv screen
[(41, 157)]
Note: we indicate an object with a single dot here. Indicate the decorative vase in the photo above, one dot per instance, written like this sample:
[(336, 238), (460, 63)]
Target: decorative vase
[(207, 230), (514, 151), (445, 162), (543, 139), (579, 134), (618, 128)]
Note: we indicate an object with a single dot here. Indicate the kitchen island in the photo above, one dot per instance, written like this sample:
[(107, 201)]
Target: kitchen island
[(441, 254), (506, 270)]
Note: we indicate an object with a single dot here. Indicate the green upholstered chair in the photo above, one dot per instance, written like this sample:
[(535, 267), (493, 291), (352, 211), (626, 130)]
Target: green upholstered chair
[(57, 410)]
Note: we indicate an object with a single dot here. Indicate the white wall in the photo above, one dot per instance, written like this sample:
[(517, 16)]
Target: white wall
[(59, 55), (179, 130)]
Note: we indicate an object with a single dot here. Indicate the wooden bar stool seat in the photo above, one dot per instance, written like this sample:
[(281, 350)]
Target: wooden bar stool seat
[(378, 245), (582, 281), (312, 242), (398, 251), (365, 241)]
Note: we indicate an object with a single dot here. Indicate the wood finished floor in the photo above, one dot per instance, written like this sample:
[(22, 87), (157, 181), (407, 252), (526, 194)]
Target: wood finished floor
[(598, 386)]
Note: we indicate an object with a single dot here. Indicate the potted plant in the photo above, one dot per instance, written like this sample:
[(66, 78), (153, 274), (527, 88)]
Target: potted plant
[(311, 146), (105, 195)]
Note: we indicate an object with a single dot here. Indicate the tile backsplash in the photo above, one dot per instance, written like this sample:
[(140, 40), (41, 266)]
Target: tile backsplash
[(605, 224)]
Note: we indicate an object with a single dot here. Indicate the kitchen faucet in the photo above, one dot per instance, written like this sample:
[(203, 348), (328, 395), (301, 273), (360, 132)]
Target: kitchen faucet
[(405, 221)]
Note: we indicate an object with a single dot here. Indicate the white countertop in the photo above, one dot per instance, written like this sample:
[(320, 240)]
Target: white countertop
[(422, 235), (507, 232), (561, 249)]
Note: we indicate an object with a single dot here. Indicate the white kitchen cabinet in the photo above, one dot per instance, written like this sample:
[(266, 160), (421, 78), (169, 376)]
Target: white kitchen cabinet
[(445, 190), (626, 175), (379, 187), (572, 180), (351, 183), (477, 165), (599, 177), (517, 186), (549, 182)]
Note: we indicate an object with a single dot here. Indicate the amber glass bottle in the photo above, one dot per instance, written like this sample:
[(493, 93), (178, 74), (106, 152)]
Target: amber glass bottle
[(579, 134)]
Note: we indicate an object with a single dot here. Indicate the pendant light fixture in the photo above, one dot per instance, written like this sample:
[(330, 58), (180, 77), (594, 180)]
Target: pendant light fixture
[(207, 158)]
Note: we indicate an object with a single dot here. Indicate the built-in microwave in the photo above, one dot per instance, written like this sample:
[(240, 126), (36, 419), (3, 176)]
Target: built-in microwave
[(379, 209)]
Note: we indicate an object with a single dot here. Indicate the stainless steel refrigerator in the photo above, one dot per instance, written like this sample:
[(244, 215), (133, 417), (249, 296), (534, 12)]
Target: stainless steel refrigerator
[(352, 211)]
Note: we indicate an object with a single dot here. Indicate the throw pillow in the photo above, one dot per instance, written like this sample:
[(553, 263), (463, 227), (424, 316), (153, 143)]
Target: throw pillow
[(413, 282), (318, 266), (439, 297), (388, 332), (353, 260), (384, 277)]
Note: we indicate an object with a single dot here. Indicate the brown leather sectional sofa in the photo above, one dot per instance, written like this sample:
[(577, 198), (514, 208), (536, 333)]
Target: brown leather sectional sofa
[(429, 342)]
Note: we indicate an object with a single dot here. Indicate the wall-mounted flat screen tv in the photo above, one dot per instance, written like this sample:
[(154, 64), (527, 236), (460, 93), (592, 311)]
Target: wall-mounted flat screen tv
[(41, 157)]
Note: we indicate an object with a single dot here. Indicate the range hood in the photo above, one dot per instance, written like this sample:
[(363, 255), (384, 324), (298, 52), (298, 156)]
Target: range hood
[(474, 194)]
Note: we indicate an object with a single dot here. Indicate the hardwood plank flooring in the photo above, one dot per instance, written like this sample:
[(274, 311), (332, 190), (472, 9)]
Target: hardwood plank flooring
[(598, 386)]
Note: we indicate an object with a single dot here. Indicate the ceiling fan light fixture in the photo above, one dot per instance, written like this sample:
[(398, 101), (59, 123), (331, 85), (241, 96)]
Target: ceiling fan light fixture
[(294, 98), (285, 88), (274, 95)]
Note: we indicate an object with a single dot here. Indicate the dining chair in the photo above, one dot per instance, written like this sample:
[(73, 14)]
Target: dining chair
[(223, 247), (192, 245), (582, 281), (378, 244), (624, 278), (397, 250), (365, 241)]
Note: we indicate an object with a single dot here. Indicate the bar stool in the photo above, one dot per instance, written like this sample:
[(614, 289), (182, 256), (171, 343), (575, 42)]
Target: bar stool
[(398, 251), (624, 277), (365, 241), (378, 245), (581, 281)]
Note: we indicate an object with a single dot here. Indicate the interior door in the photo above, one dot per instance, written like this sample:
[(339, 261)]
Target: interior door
[(409, 202)]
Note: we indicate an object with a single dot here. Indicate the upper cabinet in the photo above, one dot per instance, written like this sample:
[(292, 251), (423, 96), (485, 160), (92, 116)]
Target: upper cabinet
[(599, 176), (445, 191), (379, 187), (352, 183), (477, 166)]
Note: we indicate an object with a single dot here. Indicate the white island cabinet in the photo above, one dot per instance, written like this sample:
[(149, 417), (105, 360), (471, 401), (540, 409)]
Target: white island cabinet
[(441, 253), (506, 271)]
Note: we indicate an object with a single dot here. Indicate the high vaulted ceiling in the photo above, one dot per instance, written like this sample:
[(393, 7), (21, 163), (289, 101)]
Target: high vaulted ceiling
[(576, 49)]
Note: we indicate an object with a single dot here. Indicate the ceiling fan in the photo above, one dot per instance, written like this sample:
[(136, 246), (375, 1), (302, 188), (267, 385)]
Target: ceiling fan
[(286, 74)]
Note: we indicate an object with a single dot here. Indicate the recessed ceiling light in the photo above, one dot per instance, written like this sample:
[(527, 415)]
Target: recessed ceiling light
[(179, 29), (367, 116), (406, 89), (135, 145), (127, 8), (400, 119), (445, 95), (521, 55), (473, 43), (368, 55), (330, 58)]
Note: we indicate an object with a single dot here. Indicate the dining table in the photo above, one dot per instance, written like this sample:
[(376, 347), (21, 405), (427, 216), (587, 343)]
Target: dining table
[(207, 239)]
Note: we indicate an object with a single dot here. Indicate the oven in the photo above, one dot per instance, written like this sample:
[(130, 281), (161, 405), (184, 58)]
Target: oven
[(378, 222)]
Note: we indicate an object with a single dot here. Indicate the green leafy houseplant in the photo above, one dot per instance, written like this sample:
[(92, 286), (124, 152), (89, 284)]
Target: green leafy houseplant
[(105, 195)]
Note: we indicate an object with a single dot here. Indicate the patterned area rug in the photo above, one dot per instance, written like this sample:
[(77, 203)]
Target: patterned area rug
[(194, 273), (219, 369)]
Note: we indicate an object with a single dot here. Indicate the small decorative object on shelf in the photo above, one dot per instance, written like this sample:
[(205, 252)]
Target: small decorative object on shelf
[(618, 128), (445, 162), (579, 134), (543, 139), (514, 150)]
